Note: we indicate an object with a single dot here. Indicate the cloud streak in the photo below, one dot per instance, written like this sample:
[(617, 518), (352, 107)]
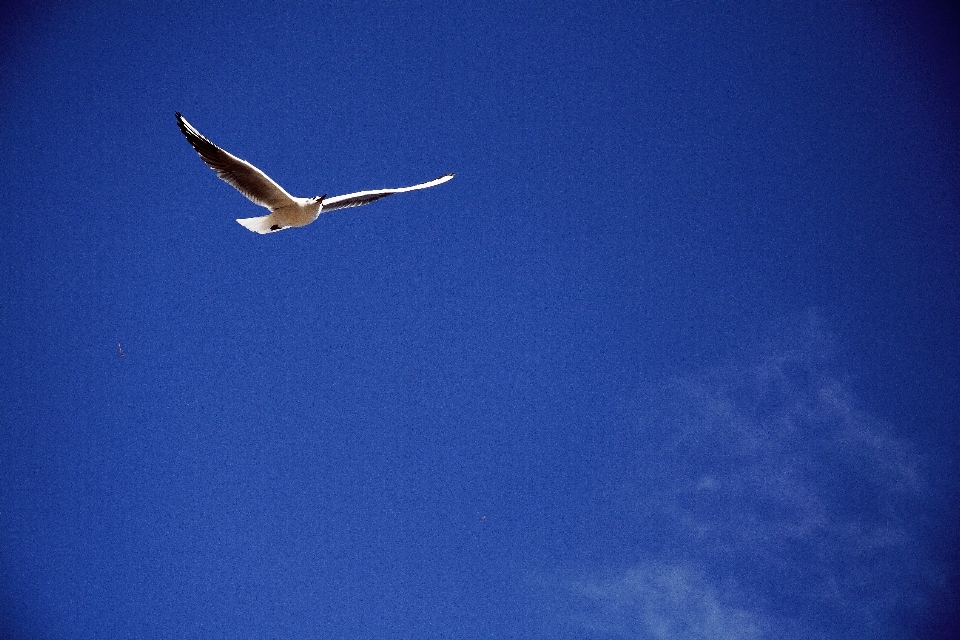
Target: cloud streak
[(783, 510), (663, 602)]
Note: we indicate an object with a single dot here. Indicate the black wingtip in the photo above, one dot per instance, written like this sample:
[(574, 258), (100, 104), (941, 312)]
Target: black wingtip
[(178, 115)]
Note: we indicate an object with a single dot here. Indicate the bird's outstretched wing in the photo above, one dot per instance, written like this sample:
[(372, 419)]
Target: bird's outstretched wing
[(366, 197), (247, 179)]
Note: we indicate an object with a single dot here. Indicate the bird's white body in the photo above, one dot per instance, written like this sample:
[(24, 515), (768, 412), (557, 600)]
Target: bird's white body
[(299, 212), (285, 210)]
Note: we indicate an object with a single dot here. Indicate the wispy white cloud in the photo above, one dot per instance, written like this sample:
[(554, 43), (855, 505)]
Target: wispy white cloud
[(788, 510), (663, 602)]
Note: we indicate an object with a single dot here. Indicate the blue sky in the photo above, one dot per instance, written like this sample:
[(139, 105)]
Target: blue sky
[(675, 355)]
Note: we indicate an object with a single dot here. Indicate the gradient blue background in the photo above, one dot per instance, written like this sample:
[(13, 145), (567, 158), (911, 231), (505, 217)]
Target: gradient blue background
[(674, 356)]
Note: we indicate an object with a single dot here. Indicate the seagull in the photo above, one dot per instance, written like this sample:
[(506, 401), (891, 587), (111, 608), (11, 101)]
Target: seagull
[(285, 210)]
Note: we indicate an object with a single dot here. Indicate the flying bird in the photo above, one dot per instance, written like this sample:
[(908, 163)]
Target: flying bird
[(285, 210)]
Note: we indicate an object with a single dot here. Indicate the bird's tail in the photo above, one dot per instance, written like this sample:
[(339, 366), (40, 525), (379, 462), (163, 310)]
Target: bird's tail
[(263, 224)]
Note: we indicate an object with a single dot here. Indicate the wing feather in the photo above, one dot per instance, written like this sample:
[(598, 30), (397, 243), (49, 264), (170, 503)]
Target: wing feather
[(246, 178), (366, 197)]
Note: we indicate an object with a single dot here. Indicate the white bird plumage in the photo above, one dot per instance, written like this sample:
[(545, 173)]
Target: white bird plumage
[(285, 210)]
